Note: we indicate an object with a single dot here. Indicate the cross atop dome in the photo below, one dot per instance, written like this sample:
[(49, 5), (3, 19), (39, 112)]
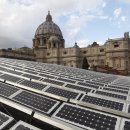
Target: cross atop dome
[(48, 17)]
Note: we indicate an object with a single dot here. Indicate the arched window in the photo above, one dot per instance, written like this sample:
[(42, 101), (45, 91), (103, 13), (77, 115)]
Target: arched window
[(54, 45)]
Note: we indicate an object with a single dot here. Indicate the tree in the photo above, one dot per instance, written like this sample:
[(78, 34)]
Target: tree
[(85, 64)]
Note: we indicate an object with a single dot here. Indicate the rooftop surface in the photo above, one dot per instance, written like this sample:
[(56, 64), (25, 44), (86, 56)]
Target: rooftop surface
[(39, 96)]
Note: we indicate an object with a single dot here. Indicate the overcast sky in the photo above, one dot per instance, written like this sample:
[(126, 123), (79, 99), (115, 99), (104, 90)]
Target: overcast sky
[(83, 21)]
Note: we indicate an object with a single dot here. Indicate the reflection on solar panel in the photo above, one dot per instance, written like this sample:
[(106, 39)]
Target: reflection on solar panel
[(53, 97)]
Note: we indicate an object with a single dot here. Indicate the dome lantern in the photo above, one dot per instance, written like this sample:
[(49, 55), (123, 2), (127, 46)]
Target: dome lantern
[(48, 17)]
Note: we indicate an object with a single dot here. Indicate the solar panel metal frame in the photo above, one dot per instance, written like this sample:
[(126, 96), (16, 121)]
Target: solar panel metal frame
[(7, 122), (24, 124), (58, 118)]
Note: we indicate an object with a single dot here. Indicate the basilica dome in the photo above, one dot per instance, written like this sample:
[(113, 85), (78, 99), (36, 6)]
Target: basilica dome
[(48, 28)]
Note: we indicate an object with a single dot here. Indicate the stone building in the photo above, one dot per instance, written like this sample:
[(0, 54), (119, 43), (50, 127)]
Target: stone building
[(23, 53), (49, 47)]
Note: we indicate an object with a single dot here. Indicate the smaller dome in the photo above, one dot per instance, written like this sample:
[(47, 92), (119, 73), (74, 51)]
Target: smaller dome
[(75, 46), (54, 39)]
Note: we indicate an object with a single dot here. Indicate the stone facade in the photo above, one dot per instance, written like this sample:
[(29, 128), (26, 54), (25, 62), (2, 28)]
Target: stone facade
[(20, 53), (48, 45)]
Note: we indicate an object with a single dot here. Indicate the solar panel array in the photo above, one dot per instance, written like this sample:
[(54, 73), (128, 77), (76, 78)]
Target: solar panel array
[(63, 97)]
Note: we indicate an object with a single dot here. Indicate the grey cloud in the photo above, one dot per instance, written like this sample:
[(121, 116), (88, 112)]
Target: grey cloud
[(20, 18)]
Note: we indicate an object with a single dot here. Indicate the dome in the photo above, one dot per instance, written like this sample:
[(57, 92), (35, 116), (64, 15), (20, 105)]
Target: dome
[(75, 46), (48, 28), (54, 39)]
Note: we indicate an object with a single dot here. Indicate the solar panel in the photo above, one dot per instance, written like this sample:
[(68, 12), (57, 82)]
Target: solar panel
[(86, 118), (76, 87), (116, 90), (62, 92), (30, 71), (36, 102), (10, 78), (96, 83), (7, 90), (31, 76), (125, 124), (15, 72), (103, 102), (23, 126), (64, 96), (5, 120), (123, 97), (48, 76), (118, 87), (53, 82), (89, 85), (66, 80), (33, 84), (128, 109)]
